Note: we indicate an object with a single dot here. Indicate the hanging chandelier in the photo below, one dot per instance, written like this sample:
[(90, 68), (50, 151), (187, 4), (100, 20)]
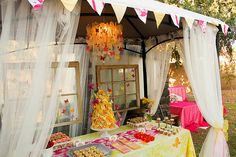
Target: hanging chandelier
[(105, 40)]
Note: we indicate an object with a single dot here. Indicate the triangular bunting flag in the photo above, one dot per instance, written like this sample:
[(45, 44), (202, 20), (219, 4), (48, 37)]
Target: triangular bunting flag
[(203, 25), (224, 28), (142, 14), (36, 3), (159, 17), (189, 22), (97, 5), (119, 11), (69, 4), (175, 19)]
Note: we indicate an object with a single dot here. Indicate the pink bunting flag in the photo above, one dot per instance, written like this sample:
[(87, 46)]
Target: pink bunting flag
[(97, 5), (142, 14), (175, 19), (224, 28), (203, 25), (36, 4)]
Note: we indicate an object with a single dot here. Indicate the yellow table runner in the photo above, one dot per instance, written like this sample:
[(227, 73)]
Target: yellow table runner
[(180, 145)]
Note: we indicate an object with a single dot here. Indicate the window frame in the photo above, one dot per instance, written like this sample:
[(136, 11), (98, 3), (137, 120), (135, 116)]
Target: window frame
[(73, 64), (136, 80)]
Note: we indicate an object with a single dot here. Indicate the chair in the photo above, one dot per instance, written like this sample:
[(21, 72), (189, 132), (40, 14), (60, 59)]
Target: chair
[(179, 92)]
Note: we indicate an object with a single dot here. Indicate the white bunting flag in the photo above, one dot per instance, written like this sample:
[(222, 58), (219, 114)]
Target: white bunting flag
[(175, 19), (203, 25), (36, 3), (224, 28), (142, 14), (189, 22), (159, 17), (69, 4), (119, 11), (97, 5)]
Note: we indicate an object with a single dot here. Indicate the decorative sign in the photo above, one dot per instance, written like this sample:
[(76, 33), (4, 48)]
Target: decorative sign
[(142, 14), (119, 11), (189, 22), (97, 5), (224, 28), (203, 25), (159, 17), (36, 3), (69, 4), (175, 19)]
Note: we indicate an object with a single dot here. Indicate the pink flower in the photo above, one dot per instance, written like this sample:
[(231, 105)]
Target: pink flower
[(117, 107), (109, 90), (91, 86), (94, 102)]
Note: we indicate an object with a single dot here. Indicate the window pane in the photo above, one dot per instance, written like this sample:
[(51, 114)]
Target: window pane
[(105, 86), (105, 75), (118, 88), (69, 82), (131, 101), (67, 109), (130, 88), (119, 103), (129, 74), (118, 74)]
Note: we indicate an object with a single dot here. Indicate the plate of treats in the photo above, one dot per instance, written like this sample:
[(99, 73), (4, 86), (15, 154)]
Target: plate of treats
[(89, 150), (137, 122)]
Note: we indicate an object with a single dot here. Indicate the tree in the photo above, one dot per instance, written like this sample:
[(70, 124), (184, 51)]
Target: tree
[(224, 10)]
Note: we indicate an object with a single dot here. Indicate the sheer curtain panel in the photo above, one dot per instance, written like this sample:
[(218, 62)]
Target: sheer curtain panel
[(30, 89), (158, 64), (202, 68)]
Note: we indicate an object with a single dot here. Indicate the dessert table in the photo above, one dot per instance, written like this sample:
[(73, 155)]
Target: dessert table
[(190, 115), (179, 145)]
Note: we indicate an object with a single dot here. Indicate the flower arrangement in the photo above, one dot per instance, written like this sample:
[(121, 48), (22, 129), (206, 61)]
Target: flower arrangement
[(147, 104)]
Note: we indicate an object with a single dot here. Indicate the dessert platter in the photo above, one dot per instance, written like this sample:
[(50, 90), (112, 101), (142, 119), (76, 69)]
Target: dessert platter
[(89, 150), (59, 140), (103, 118), (137, 122)]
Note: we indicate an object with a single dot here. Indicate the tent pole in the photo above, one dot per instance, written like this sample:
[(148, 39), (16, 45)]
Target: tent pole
[(144, 69)]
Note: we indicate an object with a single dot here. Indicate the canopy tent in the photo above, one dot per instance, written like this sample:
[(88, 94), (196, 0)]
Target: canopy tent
[(36, 30)]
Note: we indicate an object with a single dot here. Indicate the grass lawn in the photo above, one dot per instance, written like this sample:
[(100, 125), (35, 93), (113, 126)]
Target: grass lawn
[(198, 138)]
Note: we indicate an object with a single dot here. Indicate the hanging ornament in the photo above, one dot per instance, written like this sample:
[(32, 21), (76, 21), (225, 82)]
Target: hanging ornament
[(105, 40)]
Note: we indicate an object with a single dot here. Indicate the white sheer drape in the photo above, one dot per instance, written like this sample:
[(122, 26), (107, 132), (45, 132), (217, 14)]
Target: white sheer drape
[(78, 53), (202, 68), (30, 89), (158, 64)]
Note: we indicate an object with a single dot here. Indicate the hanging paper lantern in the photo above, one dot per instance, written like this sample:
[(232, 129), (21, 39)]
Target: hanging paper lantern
[(105, 40)]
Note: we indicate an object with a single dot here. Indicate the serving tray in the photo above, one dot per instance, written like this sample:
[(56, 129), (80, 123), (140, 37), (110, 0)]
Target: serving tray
[(104, 149)]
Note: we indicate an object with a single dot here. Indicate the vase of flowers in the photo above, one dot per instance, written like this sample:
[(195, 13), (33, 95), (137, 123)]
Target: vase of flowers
[(146, 105)]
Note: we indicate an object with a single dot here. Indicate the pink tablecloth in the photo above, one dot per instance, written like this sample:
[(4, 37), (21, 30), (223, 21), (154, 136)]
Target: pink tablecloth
[(190, 116)]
